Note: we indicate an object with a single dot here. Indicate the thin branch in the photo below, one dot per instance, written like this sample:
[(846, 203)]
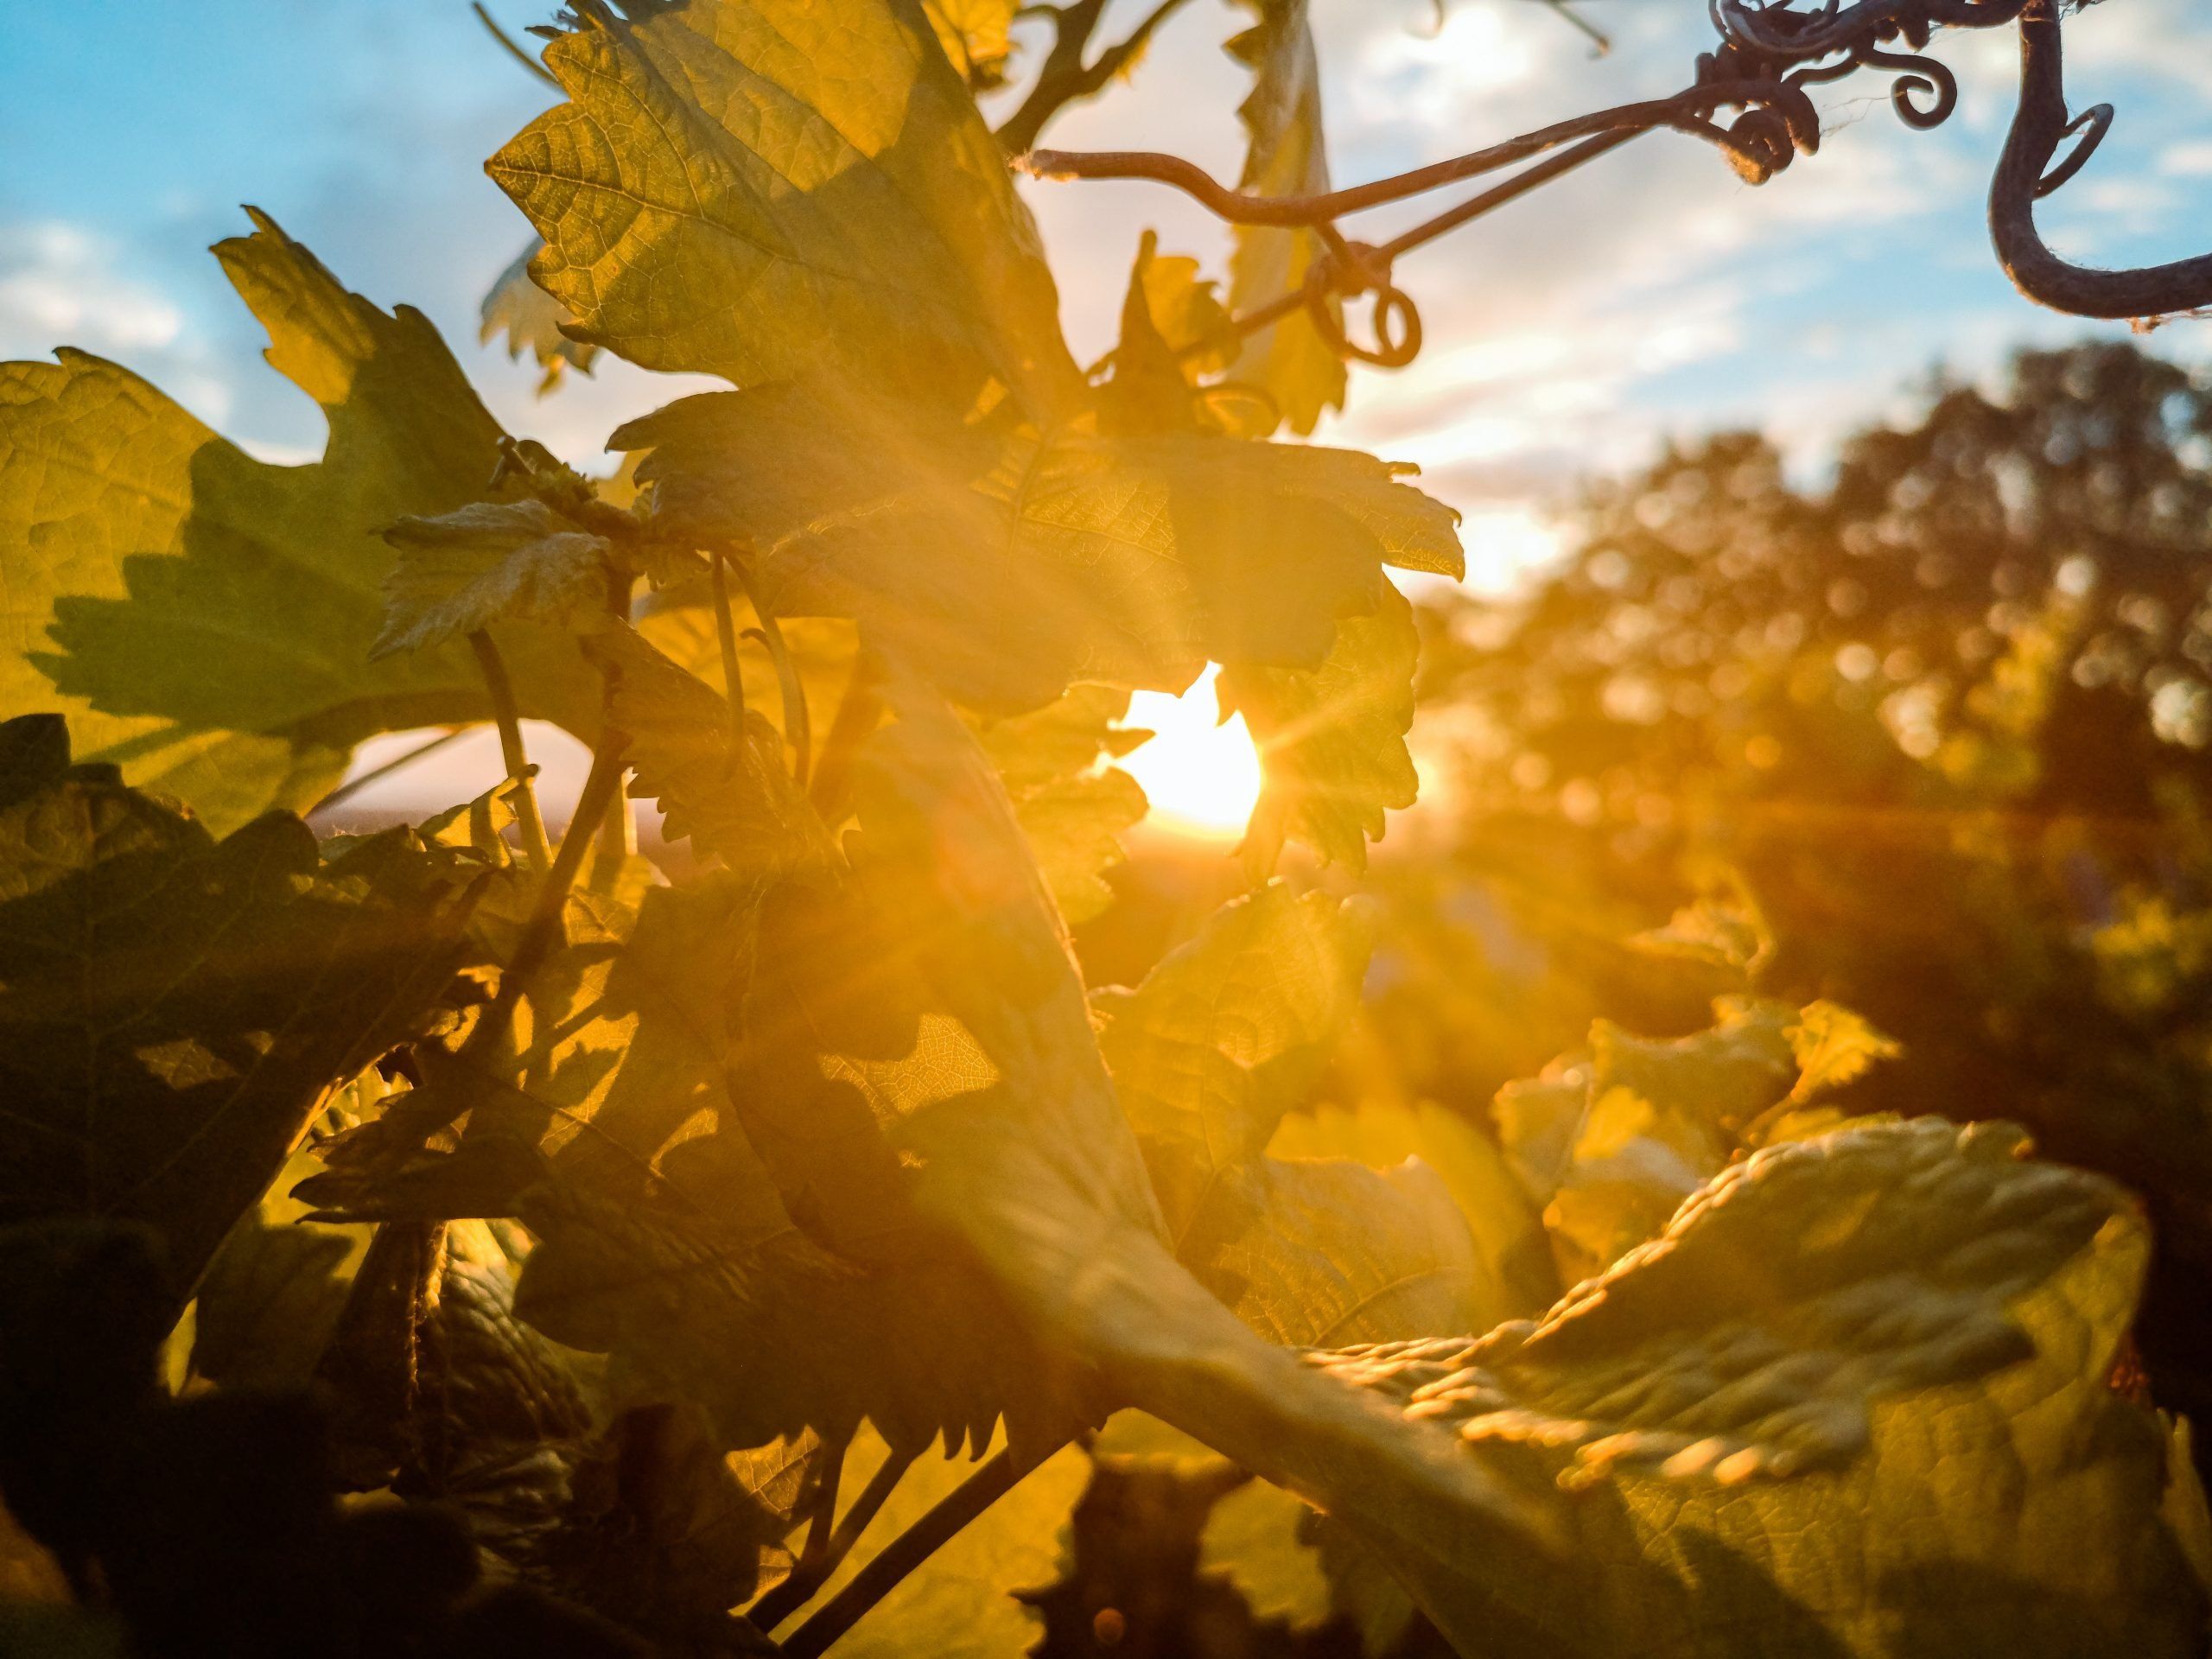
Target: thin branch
[(512, 755), (1072, 27), (352, 786), (1600, 42), (513, 50), (904, 1554), (809, 1575), (542, 929), (1239, 208)]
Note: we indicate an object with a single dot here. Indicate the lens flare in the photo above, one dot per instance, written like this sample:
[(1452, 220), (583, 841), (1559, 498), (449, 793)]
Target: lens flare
[(1201, 775)]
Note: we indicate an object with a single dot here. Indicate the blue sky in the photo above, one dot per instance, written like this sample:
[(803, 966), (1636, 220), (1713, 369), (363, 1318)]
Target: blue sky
[(1653, 295)]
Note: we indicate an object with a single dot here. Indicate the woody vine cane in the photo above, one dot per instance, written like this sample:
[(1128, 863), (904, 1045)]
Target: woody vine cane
[(1767, 59)]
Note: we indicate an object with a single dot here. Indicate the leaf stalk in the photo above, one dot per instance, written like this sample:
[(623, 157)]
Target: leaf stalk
[(512, 754)]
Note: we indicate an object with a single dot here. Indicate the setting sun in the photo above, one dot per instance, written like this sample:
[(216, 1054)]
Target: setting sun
[(1202, 776)]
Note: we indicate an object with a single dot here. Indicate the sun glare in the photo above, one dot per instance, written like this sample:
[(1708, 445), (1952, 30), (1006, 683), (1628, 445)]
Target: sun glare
[(1203, 778)]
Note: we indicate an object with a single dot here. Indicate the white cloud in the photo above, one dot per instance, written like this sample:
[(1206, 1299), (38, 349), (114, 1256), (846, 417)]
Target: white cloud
[(2191, 158), (58, 287)]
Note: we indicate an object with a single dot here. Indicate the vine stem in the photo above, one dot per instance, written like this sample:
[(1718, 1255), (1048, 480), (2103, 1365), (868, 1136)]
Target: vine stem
[(1240, 209), (725, 637), (813, 1571), (797, 730), (512, 752), (904, 1554), (600, 786), (508, 41)]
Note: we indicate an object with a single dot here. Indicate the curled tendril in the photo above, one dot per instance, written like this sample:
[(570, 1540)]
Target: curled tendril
[(1354, 268), (2092, 124), (1917, 75), (2030, 170)]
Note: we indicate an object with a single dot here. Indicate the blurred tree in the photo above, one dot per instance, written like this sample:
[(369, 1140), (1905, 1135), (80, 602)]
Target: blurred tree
[(1948, 717)]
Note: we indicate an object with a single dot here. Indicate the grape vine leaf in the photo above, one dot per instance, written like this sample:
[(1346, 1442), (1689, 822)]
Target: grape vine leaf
[(1321, 1252), (1286, 156), (1331, 738), (490, 562), (174, 1006), (962, 1603), (1226, 1033), (1911, 1321), (531, 319), (1229, 1032), (1006, 565), (1254, 1539), (665, 1241), (1071, 807), (1198, 546), (271, 1297), (1033, 1167), (664, 1533), (734, 801), (1612, 1140), (976, 36), (139, 544), (764, 187), (1515, 1277)]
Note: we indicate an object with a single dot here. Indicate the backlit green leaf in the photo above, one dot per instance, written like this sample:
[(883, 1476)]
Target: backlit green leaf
[(271, 1297), (764, 188), (531, 319), (1255, 1538), (490, 562), (975, 35), (1286, 156), (1515, 1277), (1071, 807), (1227, 1033), (734, 798), (1004, 567), (1322, 1252), (1331, 740), (143, 549), (1922, 1322)]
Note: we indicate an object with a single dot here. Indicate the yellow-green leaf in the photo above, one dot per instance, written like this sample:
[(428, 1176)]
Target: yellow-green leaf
[(1515, 1277), (531, 319), (764, 188), (1227, 1033), (142, 547), (490, 562), (1333, 739), (975, 35), (1286, 156), (1919, 1320), (173, 1007), (1071, 807)]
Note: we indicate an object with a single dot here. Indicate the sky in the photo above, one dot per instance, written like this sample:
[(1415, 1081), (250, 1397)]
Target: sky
[(1652, 296)]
